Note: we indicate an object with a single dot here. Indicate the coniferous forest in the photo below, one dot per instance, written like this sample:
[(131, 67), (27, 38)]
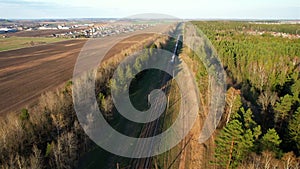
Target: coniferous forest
[(260, 125)]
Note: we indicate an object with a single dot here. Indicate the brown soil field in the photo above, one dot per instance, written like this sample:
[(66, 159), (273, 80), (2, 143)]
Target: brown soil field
[(28, 72)]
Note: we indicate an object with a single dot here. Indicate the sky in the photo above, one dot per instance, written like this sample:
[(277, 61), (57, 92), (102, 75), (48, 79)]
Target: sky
[(185, 9)]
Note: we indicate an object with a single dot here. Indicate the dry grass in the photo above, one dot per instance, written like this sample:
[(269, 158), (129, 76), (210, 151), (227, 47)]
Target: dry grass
[(11, 43)]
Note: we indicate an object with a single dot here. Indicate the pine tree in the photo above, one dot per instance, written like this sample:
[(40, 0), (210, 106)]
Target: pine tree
[(24, 115), (114, 87), (283, 107), (271, 140), (257, 132), (137, 65), (249, 123), (236, 141), (294, 129), (227, 144), (128, 73), (120, 76), (295, 89)]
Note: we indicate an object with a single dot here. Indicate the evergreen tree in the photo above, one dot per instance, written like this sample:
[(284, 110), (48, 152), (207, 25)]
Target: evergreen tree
[(248, 121), (128, 73), (120, 76), (271, 140), (137, 65), (113, 86), (295, 89), (227, 144), (236, 141), (24, 116), (245, 146), (283, 107), (294, 129)]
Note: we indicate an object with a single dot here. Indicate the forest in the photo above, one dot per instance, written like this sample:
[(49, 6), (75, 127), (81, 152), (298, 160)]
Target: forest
[(260, 126)]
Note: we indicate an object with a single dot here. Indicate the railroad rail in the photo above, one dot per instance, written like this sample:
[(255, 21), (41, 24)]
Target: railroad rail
[(151, 129)]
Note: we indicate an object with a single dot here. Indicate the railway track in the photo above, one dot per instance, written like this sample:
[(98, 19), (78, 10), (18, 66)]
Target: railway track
[(152, 129)]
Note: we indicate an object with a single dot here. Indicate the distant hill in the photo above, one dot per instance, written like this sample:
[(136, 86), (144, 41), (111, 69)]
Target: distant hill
[(5, 20)]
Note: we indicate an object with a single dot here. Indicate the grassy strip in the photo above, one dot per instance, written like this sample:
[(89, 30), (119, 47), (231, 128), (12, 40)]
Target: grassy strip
[(22, 42), (169, 158)]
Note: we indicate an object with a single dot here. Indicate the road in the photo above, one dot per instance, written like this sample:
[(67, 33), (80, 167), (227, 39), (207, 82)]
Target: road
[(27, 73)]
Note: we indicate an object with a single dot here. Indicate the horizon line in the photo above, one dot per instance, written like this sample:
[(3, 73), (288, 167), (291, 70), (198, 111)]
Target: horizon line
[(120, 18)]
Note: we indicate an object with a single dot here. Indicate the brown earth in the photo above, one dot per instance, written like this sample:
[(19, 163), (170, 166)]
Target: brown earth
[(196, 155), (27, 73)]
